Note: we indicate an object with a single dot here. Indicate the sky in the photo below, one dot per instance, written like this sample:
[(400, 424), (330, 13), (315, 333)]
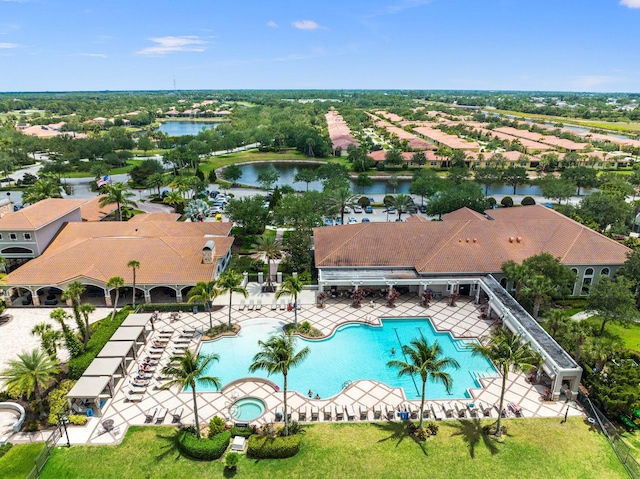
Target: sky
[(545, 45)]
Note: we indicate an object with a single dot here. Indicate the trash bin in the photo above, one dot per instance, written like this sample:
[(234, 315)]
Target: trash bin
[(195, 309)]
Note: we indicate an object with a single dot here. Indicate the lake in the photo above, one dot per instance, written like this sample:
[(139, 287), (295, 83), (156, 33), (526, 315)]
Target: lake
[(181, 128)]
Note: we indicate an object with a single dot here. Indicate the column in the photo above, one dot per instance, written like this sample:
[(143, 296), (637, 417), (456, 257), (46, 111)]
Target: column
[(107, 298), (178, 295), (147, 296)]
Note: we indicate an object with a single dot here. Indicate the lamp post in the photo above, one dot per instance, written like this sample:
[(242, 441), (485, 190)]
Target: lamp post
[(63, 419)]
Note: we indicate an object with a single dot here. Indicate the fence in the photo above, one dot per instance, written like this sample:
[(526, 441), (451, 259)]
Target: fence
[(43, 456), (621, 448)]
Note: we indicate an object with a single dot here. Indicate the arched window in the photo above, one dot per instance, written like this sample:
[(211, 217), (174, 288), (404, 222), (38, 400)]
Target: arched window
[(17, 250), (587, 278), (604, 271), (503, 283)]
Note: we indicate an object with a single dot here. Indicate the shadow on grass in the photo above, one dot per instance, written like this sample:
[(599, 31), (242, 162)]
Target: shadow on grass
[(170, 445), (227, 472), (472, 433), (398, 432)]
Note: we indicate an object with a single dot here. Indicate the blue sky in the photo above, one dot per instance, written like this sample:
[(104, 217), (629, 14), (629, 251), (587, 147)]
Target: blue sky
[(570, 45)]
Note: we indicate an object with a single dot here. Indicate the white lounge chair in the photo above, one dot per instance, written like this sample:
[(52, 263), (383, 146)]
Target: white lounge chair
[(461, 410), (251, 305), (448, 409), (377, 411), (302, 413), (181, 341), (426, 413), (134, 397), (438, 412), (282, 305), (328, 415), (188, 332), (412, 409), (390, 411), (274, 305), (177, 415), (473, 410), (315, 413), (339, 412), (351, 414), (150, 414), (258, 304), (364, 412), (161, 415), (242, 305)]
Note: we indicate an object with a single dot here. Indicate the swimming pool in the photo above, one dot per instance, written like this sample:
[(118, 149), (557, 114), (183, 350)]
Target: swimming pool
[(353, 352)]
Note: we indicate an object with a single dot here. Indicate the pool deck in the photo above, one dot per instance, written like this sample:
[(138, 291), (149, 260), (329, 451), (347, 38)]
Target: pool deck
[(463, 321)]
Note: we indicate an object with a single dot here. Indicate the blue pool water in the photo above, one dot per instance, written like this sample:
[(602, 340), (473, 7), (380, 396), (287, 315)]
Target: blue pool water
[(355, 351)]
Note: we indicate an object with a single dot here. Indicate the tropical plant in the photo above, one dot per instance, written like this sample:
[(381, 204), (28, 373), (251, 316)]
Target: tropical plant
[(426, 361), (189, 371), (291, 286), (600, 350), (119, 194), (205, 292), (115, 282), (72, 293), (556, 319), (341, 198), (231, 282), (41, 190), (85, 310), (613, 300), (402, 203), (509, 352), (31, 372), (49, 338), (175, 199), (392, 297), (540, 288), (71, 341), (278, 355), (271, 248), (134, 264)]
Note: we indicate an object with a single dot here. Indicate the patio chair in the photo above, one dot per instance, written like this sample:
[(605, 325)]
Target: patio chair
[(377, 411), (315, 413), (328, 415), (364, 412), (188, 332), (461, 410), (351, 414), (179, 345), (242, 305), (258, 304), (438, 412), (165, 334), (339, 412), (302, 413), (448, 409), (155, 354), (283, 306), (177, 415), (181, 340), (412, 409), (515, 409), (251, 305), (177, 352), (161, 415), (390, 411), (426, 413), (157, 384), (473, 410), (150, 414), (274, 305)]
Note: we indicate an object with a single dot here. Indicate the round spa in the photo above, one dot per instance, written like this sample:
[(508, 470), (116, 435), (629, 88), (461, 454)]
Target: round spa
[(247, 409)]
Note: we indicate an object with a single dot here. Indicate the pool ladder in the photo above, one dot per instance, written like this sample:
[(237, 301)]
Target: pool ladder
[(347, 384)]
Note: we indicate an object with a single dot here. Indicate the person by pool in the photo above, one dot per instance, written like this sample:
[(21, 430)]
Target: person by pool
[(317, 396), (310, 393), (393, 351)]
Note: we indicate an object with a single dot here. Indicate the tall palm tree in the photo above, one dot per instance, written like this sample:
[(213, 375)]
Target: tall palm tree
[(271, 248), (205, 292), (426, 361), (600, 350), (175, 199), (341, 198), (49, 338), (402, 203), (31, 372), (540, 288), (41, 190), (119, 194), (115, 282), (291, 286), (85, 310), (556, 319), (231, 282), (135, 265), (278, 355), (71, 341), (517, 273), (190, 369), (72, 293), (508, 352)]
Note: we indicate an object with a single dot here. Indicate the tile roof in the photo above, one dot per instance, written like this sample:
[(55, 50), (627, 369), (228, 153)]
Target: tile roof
[(91, 210), (465, 246), (39, 214), (155, 217), (169, 253), (464, 214)]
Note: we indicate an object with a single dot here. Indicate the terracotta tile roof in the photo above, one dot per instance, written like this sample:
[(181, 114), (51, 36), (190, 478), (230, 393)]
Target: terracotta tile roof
[(169, 253), (91, 210), (39, 214), (465, 246), (155, 217), (464, 214)]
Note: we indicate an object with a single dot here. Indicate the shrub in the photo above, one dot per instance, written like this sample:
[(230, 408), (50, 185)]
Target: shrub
[(528, 201), (305, 327), (171, 307), (5, 448), (265, 447), (205, 449), (294, 428), (58, 400), (231, 460), (242, 431), (364, 201), (492, 201), (507, 202), (388, 199), (216, 426)]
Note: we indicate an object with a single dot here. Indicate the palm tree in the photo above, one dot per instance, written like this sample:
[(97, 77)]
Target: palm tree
[(509, 353), (556, 319), (71, 341), (231, 281), (41, 190), (174, 199), (85, 310), (271, 248), (517, 273), (426, 361), (341, 198), (205, 292), (119, 194), (291, 286), (49, 338), (31, 372), (190, 369), (72, 293), (115, 282), (601, 350), (134, 264), (402, 203), (156, 181), (278, 355), (540, 288)]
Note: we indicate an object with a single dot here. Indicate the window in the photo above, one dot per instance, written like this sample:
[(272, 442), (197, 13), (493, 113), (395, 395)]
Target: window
[(13, 236), (575, 271), (434, 163), (0, 237), (27, 236), (477, 163), (604, 271), (600, 165), (503, 283), (587, 278)]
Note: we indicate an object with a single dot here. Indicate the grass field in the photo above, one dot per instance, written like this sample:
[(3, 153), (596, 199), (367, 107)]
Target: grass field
[(534, 448), (253, 155), (113, 171), (18, 462)]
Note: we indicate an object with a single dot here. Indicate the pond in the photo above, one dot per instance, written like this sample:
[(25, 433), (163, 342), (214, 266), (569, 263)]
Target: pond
[(181, 128)]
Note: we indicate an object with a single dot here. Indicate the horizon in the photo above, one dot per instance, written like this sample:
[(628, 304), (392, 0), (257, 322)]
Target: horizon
[(378, 45)]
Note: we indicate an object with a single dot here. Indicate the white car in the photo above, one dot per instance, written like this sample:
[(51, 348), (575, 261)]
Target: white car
[(357, 209), (352, 221), (347, 209)]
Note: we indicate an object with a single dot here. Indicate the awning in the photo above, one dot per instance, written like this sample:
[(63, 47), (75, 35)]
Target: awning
[(132, 333), (140, 319), (105, 367), (119, 349), (89, 387)]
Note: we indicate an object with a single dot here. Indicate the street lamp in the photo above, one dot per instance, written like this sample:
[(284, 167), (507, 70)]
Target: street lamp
[(63, 419)]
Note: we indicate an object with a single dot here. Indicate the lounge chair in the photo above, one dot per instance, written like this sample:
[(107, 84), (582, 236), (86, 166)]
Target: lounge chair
[(438, 412), (339, 412), (473, 410), (177, 415), (258, 304), (274, 305), (181, 341), (161, 415), (298, 306), (515, 409), (164, 335), (351, 414), (426, 413), (177, 346), (461, 410), (377, 411), (328, 415), (412, 409), (177, 352), (302, 413), (242, 305), (188, 332), (364, 412), (390, 411), (251, 305), (315, 413), (153, 354), (282, 305), (157, 384), (134, 396), (448, 409), (150, 414)]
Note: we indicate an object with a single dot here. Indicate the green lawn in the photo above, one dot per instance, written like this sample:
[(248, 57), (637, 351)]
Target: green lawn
[(19, 461), (534, 448), (253, 155), (113, 171), (630, 334)]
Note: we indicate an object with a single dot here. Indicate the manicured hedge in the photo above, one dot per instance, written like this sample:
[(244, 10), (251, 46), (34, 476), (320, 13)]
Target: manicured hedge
[(264, 447), (242, 431), (528, 201), (507, 202), (205, 449), (101, 333), (171, 307)]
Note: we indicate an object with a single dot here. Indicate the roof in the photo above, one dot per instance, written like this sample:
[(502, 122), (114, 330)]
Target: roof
[(89, 387), (91, 210), (471, 245), (40, 214), (155, 217), (463, 214), (103, 367), (168, 252), (117, 349), (136, 319)]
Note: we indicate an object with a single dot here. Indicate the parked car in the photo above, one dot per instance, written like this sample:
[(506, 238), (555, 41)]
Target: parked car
[(391, 209), (423, 208), (352, 220), (328, 222), (213, 194), (368, 209), (357, 209), (216, 210), (347, 209), (366, 220), (338, 221)]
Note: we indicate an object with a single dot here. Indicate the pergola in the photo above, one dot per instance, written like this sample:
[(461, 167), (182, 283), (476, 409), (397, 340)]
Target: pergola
[(119, 349), (138, 319), (132, 333), (91, 389), (106, 367)]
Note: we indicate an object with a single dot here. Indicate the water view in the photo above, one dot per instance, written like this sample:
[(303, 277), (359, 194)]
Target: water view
[(181, 128)]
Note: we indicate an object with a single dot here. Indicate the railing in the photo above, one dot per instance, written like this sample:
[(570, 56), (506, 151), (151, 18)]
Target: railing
[(620, 447), (42, 458)]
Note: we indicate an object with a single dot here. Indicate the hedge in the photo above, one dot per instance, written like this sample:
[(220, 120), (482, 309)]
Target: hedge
[(5, 448), (205, 449), (101, 333), (58, 403), (265, 447), (528, 201), (507, 202), (171, 307), (242, 431)]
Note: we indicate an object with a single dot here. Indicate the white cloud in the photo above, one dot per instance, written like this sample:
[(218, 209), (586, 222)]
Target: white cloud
[(587, 82), (306, 25), (272, 24), (9, 45), (630, 3), (171, 44), (96, 55)]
